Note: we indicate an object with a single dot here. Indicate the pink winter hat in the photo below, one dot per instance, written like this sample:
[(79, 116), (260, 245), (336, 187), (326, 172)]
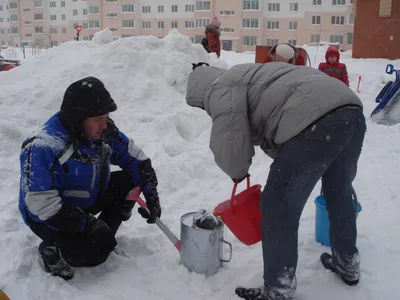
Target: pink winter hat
[(215, 22)]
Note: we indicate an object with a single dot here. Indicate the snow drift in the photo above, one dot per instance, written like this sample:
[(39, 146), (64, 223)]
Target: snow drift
[(146, 76)]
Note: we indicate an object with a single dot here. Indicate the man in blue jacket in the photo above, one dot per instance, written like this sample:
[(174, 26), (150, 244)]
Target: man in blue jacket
[(66, 180)]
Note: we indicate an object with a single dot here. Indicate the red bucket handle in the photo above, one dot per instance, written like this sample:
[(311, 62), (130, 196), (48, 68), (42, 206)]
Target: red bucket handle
[(234, 191)]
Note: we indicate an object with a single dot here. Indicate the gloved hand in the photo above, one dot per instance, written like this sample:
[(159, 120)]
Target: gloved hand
[(149, 182), (239, 180), (99, 233), (194, 66), (153, 204)]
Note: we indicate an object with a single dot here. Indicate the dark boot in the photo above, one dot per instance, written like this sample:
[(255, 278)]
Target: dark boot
[(252, 293), (348, 268), (52, 262)]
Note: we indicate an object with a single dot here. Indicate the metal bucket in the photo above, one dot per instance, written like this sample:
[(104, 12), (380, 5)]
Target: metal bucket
[(202, 249)]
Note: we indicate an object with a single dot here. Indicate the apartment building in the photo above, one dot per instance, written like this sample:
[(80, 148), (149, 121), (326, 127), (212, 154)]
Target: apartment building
[(245, 23)]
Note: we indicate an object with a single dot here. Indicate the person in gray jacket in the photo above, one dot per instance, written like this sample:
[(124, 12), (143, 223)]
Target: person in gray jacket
[(313, 127)]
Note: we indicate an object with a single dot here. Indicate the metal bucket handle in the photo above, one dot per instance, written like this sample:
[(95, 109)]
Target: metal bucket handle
[(230, 251), (354, 194)]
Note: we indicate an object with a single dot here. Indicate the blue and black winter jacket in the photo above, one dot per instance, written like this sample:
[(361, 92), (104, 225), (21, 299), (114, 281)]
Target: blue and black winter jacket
[(62, 177)]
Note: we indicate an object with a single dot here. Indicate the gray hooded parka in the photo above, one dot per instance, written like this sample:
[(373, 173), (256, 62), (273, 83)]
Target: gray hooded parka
[(261, 105)]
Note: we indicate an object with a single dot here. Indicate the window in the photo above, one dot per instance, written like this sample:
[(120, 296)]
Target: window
[(128, 23), (316, 20), (174, 8), (37, 3), (64, 30), (316, 2), (189, 7), (111, 15), (174, 24), (38, 17), (315, 38), (84, 11), (189, 24), (350, 19), (273, 24), (161, 24), (13, 18), (350, 38), (39, 29), (338, 2), (62, 3), (53, 17), (292, 42), (274, 7), (250, 23), (293, 25), (14, 30), (53, 30), (249, 40), (161, 8), (200, 23), (13, 5), (272, 42), (128, 8), (146, 24), (385, 8), (227, 30), (146, 10), (203, 5), (111, 1), (336, 39), (1, 9), (25, 10), (63, 17), (74, 12), (52, 3), (94, 24), (251, 4), (338, 20), (54, 43), (85, 25), (94, 10), (27, 22), (227, 12), (294, 6)]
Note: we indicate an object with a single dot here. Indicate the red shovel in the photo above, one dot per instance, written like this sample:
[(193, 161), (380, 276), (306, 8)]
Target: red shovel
[(134, 195)]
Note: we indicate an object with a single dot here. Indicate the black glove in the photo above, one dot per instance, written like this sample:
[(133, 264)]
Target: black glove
[(153, 204), (240, 179), (149, 184), (99, 233)]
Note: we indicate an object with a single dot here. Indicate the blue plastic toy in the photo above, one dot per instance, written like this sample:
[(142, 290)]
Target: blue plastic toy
[(322, 223), (388, 98)]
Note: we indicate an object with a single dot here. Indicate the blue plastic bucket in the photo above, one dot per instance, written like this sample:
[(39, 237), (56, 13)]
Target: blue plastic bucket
[(322, 222)]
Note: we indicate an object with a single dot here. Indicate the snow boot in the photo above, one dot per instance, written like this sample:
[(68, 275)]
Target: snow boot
[(347, 268), (252, 293), (52, 262)]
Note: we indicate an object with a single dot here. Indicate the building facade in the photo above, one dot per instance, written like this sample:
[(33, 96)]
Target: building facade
[(245, 23), (377, 31)]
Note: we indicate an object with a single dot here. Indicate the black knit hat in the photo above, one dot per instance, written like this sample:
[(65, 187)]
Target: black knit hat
[(83, 99)]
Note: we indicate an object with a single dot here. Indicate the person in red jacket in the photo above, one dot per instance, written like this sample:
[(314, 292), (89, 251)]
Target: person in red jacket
[(212, 35), (285, 53), (333, 67)]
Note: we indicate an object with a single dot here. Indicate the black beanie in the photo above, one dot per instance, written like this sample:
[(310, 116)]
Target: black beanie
[(83, 99)]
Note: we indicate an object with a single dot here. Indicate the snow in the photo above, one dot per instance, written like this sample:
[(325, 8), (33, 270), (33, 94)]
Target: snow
[(146, 76)]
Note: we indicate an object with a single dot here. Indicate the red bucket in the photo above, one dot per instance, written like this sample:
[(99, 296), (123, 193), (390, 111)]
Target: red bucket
[(242, 215)]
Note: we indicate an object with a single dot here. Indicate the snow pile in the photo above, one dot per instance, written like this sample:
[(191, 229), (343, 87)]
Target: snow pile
[(146, 76), (103, 37)]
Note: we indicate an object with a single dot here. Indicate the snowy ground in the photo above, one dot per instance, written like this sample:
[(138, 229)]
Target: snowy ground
[(146, 77)]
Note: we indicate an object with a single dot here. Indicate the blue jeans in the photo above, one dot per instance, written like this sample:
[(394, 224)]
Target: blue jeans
[(328, 149)]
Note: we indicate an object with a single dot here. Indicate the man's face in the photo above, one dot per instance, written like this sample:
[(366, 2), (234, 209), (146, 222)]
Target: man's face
[(279, 58), (93, 127)]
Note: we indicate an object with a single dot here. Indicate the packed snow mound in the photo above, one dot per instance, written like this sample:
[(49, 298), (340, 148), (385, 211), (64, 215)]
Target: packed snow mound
[(104, 36)]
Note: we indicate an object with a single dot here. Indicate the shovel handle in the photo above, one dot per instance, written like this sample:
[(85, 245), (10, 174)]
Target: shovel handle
[(235, 188), (134, 195)]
